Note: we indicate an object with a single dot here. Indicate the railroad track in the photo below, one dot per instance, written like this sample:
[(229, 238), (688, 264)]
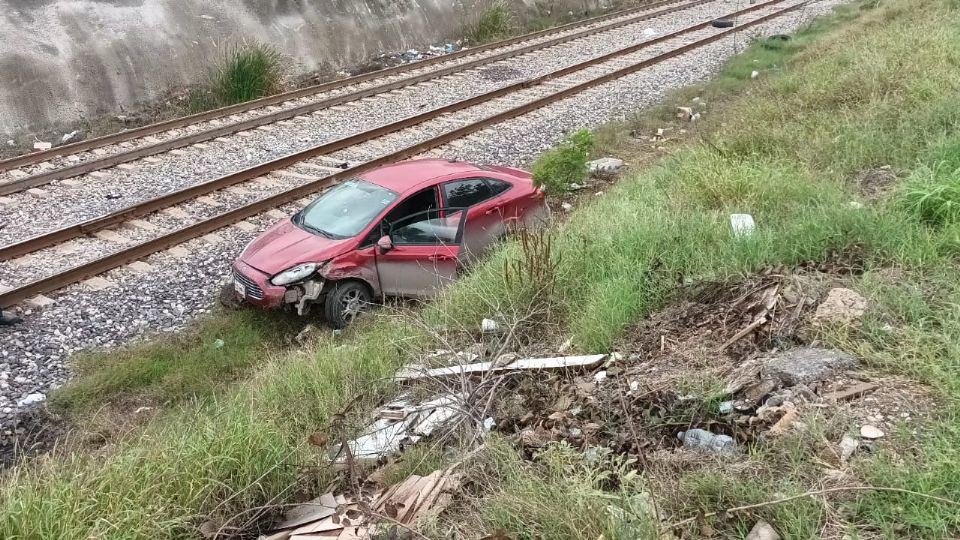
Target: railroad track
[(40, 168), (430, 128)]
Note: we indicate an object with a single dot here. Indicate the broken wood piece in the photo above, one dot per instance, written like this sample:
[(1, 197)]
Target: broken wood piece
[(743, 333), (309, 512), (852, 392), (418, 372)]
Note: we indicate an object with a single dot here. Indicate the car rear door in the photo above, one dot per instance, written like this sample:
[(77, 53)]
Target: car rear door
[(486, 214), (425, 253)]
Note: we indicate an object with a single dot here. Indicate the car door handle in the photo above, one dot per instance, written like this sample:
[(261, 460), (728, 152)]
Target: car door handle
[(440, 257)]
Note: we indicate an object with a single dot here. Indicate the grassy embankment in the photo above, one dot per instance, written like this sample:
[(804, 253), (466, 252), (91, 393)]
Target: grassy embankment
[(787, 148)]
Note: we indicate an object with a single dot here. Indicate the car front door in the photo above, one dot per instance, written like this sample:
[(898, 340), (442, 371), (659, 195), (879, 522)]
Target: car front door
[(485, 215), (420, 253)]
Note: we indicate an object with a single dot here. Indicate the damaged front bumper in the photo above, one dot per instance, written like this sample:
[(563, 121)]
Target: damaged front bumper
[(253, 287)]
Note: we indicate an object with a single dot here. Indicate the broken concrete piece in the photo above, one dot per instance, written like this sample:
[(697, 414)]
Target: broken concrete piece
[(763, 530), (42, 145), (488, 326), (848, 445), (807, 364), (841, 306), (418, 372), (607, 165)]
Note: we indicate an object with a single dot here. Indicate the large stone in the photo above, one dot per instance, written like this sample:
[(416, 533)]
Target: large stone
[(607, 165), (807, 365), (841, 306)]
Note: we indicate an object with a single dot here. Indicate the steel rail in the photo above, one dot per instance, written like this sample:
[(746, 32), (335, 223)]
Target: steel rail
[(159, 127), (139, 251), (45, 240)]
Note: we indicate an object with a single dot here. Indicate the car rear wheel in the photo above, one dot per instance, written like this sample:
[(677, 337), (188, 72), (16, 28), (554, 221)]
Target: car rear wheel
[(345, 302)]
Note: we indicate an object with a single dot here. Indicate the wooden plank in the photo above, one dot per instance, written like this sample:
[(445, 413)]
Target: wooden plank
[(852, 392), (309, 512), (533, 364)]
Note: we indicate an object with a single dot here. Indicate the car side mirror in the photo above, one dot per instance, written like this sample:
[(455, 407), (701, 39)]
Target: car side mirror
[(384, 244)]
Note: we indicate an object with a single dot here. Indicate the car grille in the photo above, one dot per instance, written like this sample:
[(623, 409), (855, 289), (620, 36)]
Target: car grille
[(253, 290)]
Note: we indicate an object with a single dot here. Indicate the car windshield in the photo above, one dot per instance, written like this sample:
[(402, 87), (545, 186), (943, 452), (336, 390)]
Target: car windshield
[(345, 210)]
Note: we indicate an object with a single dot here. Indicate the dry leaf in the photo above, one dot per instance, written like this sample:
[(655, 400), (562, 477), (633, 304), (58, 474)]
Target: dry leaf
[(318, 439)]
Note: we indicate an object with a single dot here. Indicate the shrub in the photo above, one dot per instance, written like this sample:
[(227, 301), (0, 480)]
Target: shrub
[(933, 195), (559, 167), (246, 72), (492, 24)]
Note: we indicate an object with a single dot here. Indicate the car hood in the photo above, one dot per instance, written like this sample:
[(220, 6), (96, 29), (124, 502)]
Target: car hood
[(284, 245)]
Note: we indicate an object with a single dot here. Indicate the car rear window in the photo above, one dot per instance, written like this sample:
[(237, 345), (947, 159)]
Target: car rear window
[(346, 210)]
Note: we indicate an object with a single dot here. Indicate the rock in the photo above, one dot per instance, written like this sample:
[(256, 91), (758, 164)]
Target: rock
[(488, 326), (870, 432), (68, 137), (11, 142), (763, 531), (807, 364), (42, 145), (703, 440), (649, 32), (606, 165), (754, 74), (566, 207), (855, 205), (841, 306), (848, 445), (684, 113), (695, 117), (600, 376), (31, 399), (725, 408), (9, 319)]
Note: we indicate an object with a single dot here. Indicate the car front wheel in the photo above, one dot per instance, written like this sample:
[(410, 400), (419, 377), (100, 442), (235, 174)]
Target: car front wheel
[(345, 302)]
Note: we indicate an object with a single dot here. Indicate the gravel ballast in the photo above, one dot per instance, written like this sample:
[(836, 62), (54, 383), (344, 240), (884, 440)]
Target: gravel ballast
[(34, 354)]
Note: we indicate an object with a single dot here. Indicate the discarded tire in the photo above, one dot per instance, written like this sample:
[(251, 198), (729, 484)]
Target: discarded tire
[(722, 23)]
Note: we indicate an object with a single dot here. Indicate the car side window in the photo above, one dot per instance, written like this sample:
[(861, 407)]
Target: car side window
[(416, 203), (497, 186), (426, 228), (466, 193)]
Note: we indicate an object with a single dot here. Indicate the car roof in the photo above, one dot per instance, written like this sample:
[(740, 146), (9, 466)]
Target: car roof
[(407, 175)]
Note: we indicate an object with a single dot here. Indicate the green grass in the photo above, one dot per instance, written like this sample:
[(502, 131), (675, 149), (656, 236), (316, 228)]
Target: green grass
[(212, 353), (558, 168), (493, 23), (874, 86), (246, 72)]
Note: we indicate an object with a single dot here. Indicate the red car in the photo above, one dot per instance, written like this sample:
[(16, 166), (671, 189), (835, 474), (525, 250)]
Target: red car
[(402, 230)]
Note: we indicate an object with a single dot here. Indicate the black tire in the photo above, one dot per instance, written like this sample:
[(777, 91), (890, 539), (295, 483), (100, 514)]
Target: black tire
[(345, 302), (722, 23)]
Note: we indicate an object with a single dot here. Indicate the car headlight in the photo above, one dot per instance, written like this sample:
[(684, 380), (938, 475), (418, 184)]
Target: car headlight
[(294, 274)]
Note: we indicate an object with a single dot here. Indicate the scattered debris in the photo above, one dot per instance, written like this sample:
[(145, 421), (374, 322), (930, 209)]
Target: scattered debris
[(841, 306), (871, 432), (372, 512), (68, 137), (742, 224), (607, 165), (685, 113), (42, 145), (218, 344), (488, 326), (305, 334), (805, 365), (763, 531), (703, 440), (566, 206), (754, 74)]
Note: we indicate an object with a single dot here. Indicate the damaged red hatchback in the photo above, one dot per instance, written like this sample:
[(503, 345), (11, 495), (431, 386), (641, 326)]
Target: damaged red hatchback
[(402, 230)]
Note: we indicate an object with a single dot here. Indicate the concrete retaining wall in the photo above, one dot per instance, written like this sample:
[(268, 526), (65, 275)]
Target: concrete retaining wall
[(65, 60)]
